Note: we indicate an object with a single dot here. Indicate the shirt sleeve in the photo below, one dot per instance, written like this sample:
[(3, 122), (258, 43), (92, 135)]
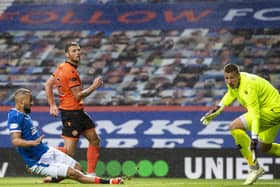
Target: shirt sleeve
[(227, 99), (14, 124)]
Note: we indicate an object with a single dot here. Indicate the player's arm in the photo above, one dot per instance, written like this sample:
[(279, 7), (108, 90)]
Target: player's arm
[(50, 96), (19, 142), (253, 108), (227, 99), (80, 94), (49, 90), (254, 112), (211, 114), (214, 112)]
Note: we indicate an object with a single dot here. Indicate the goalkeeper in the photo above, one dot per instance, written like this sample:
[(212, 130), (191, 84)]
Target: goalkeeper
[(262, 118)]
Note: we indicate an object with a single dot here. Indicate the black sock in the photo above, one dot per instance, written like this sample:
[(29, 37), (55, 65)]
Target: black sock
[(56, 180), (104, 181)]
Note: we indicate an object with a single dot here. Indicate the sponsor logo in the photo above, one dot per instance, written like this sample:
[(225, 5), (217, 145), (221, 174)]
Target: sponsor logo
[(3, 169), (14, 126), (225, 167), (163, 129), (154, 133)]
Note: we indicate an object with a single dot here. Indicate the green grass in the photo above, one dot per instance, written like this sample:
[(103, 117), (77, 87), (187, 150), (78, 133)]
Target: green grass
[(136, 182)]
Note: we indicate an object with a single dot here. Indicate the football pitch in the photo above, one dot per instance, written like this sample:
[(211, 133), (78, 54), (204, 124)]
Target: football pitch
[(136, 182)]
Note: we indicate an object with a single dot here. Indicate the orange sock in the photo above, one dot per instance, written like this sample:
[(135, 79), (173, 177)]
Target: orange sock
[(96, 180), (62, 149), (92, 158)]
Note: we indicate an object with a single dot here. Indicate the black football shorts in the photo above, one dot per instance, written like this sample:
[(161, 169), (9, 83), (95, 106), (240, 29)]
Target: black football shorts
[(75, 122)]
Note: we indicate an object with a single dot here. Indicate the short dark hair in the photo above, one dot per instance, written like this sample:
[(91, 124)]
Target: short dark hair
[(19, 93), (68, 45), (231, 68)]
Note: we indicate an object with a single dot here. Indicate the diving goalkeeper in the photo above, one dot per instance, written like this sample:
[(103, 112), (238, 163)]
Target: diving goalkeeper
[(262, 118)]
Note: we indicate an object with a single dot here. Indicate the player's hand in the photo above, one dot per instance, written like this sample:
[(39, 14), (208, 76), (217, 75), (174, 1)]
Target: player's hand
[(53, 110), (98, 81), (211, 114), (38, 140)]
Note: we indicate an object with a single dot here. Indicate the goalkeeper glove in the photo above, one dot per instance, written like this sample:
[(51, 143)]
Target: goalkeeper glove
[(211, 114)]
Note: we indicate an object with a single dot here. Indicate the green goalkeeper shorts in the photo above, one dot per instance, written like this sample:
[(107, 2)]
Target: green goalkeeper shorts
[(269, 124)]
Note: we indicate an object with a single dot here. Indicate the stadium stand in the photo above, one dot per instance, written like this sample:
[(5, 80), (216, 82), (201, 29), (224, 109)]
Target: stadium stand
[(179, 67), (143, 67), (113, 1)]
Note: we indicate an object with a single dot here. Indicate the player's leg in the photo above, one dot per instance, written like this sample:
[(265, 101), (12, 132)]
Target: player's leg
[(70, 136), (59, 165), (269, 120), (70, 168), (90, 134), (70, 131), (274, 149), (92, 151), (77, 175), (62, 149), (50, 179), (70, 145), (47, 165), (267, 138), (242, 140)]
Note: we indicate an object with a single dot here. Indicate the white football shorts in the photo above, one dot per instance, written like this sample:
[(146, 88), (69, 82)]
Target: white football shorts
[(53, 163)]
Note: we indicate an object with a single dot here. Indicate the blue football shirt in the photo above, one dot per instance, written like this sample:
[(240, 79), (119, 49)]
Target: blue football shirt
[(20, 122)]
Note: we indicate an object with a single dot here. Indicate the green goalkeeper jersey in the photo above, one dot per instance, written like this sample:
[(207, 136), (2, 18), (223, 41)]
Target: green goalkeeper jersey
[(255, 94)]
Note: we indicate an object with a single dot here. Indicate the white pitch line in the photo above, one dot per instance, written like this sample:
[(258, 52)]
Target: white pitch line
[(192, 183), (152, 184)]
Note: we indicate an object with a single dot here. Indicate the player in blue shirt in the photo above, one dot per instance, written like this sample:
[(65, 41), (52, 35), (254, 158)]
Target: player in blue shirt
[(40, 158)]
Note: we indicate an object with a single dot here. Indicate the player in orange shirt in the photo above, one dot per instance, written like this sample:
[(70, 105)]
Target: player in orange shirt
[(71, 94)]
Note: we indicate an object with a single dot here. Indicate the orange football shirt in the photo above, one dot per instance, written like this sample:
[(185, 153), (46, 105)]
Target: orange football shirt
[(67, 77)]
